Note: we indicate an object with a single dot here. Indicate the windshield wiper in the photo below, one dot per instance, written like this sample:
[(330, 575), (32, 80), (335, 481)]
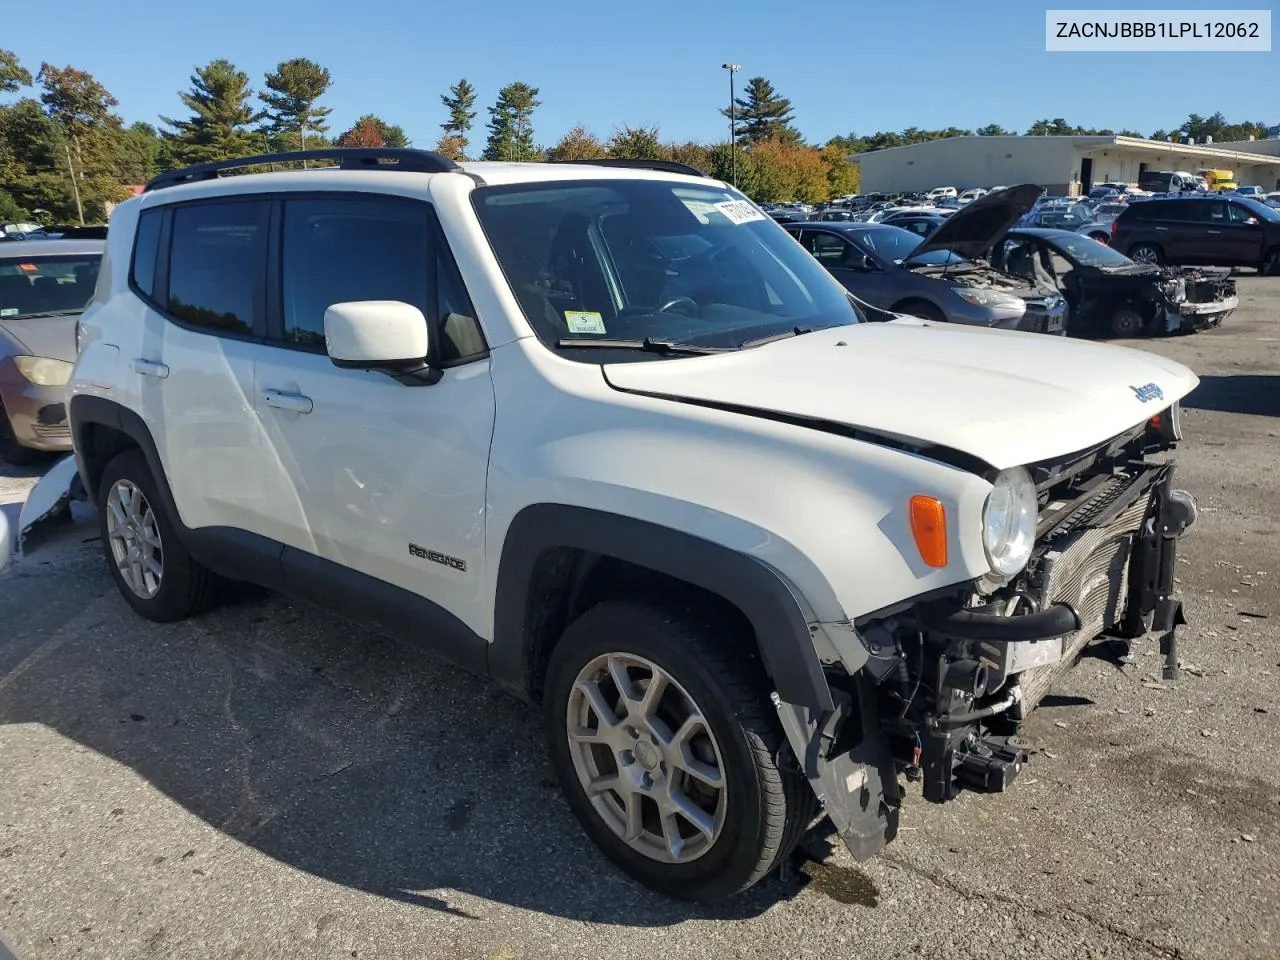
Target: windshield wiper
[(46, 314), (784, 335), (666, 348)]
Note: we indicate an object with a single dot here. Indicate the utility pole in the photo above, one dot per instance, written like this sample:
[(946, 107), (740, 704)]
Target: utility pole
[(75, 184), (733, 122)]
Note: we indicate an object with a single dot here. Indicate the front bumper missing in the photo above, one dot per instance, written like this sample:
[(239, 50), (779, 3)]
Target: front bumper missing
[(981, 671)]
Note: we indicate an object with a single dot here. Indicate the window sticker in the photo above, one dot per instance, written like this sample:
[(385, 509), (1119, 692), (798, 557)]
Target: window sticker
[(739, 211), (584, 321), (9, 312)]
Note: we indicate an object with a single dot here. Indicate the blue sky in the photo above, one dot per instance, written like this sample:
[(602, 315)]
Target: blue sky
[(862, 66)]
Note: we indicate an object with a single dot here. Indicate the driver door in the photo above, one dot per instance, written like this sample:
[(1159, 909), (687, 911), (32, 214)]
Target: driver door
[(847, 262)]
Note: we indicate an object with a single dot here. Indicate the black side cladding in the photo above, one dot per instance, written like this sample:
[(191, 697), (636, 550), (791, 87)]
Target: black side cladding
[(781, 630)]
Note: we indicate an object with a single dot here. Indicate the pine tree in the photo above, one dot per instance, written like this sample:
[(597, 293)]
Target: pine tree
[(511, 123), (219, 127), (763, 115), (459, 102), (290, 98)]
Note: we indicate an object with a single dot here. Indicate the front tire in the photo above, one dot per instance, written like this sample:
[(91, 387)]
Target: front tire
[(660, 730), (148, 561), (1127, 323)]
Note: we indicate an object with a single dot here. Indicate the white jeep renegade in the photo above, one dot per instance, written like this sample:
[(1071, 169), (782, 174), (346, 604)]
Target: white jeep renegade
[(607, 434)]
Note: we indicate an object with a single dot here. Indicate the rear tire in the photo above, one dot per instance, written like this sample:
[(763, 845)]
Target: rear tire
[(1271, 266), (156, 574), (1146, 253), (713, 687)]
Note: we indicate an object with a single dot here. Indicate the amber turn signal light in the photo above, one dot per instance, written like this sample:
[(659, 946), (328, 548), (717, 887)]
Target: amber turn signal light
[(929, 527)]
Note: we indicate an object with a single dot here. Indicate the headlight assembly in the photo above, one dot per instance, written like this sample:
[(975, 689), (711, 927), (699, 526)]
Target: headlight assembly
[(44, 371), (991, 298), (1009, 522)]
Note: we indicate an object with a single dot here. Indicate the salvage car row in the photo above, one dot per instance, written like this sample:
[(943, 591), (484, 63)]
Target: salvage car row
[(974, 266)]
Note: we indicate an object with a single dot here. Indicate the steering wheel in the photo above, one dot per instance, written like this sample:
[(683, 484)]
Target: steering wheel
[(691, 305)]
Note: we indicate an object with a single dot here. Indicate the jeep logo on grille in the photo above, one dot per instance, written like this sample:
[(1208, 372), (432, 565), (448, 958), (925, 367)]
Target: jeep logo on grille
[(1148, 391)]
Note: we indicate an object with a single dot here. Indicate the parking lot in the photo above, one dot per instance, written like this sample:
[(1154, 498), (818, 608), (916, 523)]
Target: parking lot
[(265, 782)]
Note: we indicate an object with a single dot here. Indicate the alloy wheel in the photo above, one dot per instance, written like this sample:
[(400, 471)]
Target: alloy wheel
[(645, 755), (134, 539), (1145, 254)]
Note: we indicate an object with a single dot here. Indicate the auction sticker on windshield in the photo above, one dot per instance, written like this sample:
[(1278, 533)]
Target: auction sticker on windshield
[(584, 321), (739, 211)]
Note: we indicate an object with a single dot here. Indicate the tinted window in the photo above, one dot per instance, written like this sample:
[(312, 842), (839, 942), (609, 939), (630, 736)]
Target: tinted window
[(216, 264), (829, 250), (146, 244), (339, 249)]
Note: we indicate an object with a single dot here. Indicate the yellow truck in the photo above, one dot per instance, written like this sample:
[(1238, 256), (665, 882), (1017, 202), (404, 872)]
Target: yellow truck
[(1220, 180)]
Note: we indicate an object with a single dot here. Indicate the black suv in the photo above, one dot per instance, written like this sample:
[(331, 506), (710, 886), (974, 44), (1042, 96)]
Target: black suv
[(1212, 231)]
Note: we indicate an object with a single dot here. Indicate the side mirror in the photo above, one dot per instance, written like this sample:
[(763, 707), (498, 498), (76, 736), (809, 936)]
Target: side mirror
[(860, 261), (386, 335), (1252, 222)]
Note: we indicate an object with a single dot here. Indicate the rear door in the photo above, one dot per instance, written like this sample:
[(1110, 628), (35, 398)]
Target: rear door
[(204, 316), (384, 480)]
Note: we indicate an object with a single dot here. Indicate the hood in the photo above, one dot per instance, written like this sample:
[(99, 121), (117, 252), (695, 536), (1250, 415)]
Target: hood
[(53, 337), (974, 229), (1004, 397)]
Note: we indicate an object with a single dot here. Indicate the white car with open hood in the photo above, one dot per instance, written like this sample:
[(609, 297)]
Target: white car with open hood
[(605, 433)]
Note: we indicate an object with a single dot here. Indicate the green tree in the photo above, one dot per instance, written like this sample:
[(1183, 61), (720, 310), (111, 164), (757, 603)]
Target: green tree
[(763, 115), (993, 130), (220, 125), (459, 101), (511, 123), (292, 117), (140, 148), (81, 107), (635, 143), (12, 74), (578, 144)]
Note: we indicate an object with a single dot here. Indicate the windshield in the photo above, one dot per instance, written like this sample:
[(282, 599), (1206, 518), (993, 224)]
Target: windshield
[(896, 244), (1089, 252), (38, 285), (629, 260), (1259, 209)]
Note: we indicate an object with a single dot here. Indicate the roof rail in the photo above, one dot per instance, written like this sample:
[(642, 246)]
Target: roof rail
[(667, 166), (349, 158)]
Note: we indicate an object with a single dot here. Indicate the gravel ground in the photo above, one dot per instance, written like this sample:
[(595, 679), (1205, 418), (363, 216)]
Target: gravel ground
[(263, 782)]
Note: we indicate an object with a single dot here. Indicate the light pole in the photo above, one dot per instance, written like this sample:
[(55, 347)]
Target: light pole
[(733, 122)]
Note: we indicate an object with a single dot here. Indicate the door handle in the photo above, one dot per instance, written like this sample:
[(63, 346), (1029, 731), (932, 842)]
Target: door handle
[(1213, 231), (150, 368), (293, 402), (1163, 229)]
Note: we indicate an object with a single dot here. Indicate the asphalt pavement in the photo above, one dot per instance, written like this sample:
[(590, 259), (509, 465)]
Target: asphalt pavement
[(264, 781)]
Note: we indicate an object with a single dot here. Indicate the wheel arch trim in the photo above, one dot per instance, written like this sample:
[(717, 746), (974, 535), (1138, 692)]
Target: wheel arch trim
[(783, 634)]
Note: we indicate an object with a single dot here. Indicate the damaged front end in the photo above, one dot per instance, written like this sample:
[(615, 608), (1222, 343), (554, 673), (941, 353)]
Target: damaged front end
[(951, 677), (1195, 298)]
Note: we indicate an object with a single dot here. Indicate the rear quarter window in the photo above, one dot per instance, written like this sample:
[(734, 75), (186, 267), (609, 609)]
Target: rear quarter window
[(146, 247)]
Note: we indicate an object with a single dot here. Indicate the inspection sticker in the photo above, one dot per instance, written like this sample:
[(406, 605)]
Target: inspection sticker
[(584, 321), (739, 211)]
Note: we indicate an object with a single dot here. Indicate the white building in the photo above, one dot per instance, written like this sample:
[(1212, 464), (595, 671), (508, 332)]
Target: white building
[(1062, 165)]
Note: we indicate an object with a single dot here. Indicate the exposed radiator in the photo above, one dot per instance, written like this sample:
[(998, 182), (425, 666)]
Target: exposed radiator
[(1088, 568)]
